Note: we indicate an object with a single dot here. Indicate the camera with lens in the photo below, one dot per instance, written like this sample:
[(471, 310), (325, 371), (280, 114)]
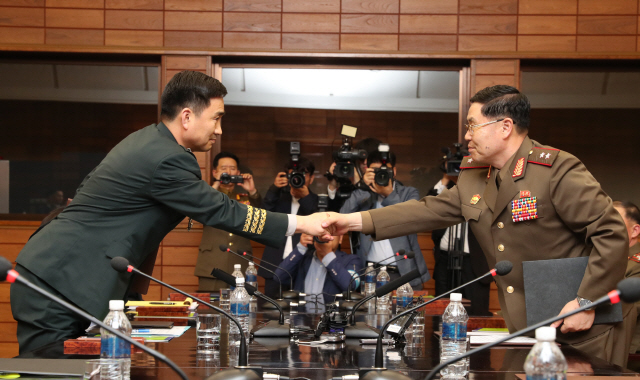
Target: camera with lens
[(345, 157), (226, 178), (296, 177), (383, 174), (453, 159)]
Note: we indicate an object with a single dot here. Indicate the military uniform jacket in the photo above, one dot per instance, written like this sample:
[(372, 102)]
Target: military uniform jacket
[(548, 206), (209, 254), (143, 188)]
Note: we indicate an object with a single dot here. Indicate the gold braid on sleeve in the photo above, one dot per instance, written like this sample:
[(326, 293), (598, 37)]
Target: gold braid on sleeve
[(247, 222)]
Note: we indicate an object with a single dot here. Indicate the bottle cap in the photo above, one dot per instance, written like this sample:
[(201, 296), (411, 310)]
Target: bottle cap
[(239, 280), (384, 268), (545, 333), (457, 297), (116, 305), (237, 266), (250, 263), (370, 264)]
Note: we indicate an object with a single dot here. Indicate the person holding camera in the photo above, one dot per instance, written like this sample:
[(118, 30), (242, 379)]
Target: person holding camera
[(230, 181), (381, 166), (289, 194)]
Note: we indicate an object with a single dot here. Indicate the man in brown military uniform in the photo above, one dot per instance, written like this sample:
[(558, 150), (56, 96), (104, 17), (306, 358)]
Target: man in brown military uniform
[(631, 216), (524, 202), (209, 255)]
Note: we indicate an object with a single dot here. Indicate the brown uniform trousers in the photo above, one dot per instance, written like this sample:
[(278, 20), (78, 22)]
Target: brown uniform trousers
[(573, 217), (633, 270), (209, 254)]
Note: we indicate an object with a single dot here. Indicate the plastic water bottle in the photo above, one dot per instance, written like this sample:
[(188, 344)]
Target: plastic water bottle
[(251, 277), (454, 337), (382, 303), (112, 347), (404, 298), (237, 273), (545, 360), (240, 310), (370, 283)]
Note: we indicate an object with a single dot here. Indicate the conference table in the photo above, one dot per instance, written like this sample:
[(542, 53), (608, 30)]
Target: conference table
[(285, 356)]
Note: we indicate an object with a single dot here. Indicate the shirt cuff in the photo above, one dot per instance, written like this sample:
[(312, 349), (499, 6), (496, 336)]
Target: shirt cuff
[(293, 224), (332, 193), (439, 187), (328, 258), (302, 248)]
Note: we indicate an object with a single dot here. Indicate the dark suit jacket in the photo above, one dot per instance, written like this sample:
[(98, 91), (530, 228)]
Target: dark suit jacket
[(278, 199), (125, 207)]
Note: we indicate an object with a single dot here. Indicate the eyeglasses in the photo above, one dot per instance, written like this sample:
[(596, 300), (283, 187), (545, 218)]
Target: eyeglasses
[(472, 128)]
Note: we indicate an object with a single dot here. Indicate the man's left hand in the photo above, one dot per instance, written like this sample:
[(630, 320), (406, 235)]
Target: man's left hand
[(248, 184), (577, 322), (300, 192), (382, 190)]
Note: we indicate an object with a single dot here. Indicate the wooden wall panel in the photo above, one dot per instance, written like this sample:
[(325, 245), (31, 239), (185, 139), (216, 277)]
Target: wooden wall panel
[(22, 16), (607, 25), (427, 43), (311, 23), (554, 7), (606, 44), (252, 22), (135, 4), (547, 43), (490, 72), (429, 6), (75, 37), (75, 3), (547, 24), (133, 38), (253, 5), (489, 6), (313, 6), (486, 43), (370, 6), (147, 20), (75, 18), (488, 24), (357, 23), (368, 42), (619, 7), (310, 41), (428, 24), (27, 36)]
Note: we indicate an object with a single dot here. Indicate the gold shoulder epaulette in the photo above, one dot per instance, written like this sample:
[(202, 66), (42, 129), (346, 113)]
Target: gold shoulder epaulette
[(469, 163), (543, 156), (635, 258)]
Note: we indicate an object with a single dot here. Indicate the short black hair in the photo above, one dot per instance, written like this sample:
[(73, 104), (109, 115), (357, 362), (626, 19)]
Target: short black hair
[(370, 144), (376, 157), (631, 211), (189, 89), (220, 155), (304, 164), (504, 101)]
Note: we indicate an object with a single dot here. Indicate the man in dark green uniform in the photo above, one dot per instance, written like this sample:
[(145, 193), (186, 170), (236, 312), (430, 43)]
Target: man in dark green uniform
[(523, 201), (143, 188)]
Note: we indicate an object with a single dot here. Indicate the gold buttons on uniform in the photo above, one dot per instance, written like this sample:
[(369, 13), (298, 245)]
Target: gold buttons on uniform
[(530, 152), (500, 225), (500, 247), (230, 234), (230, 244), (510, 289)]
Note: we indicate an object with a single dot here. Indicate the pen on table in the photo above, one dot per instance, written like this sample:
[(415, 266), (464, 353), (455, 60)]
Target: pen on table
[(140, 331), (162, 303)]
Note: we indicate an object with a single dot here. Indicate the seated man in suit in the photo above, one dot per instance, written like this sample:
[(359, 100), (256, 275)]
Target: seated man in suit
[(381, 196), (320, 268)]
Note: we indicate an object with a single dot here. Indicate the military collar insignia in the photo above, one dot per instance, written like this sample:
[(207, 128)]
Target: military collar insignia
[(543, 156), (470, 163), (519, 169), (635, 258), (475, 199)]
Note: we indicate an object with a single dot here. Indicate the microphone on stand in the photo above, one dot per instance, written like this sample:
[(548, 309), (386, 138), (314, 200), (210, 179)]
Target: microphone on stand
[(628, 290), (287, 294), (347, 304), (281, 302), (272, 328), (242, 370), (12, 276)]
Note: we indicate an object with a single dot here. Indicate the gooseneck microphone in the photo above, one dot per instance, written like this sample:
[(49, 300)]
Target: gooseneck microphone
[(287, 294), (281, 302), (628, 291), (12, 276), (389, 287)]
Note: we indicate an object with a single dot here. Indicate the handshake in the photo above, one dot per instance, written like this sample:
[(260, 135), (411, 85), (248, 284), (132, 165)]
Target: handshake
[(326, 225)]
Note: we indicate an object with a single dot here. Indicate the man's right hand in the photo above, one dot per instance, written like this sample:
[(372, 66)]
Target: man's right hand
[(281, 180), (306, 239)]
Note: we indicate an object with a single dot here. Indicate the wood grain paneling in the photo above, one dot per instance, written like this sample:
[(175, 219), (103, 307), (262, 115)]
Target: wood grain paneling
[(606, 43), (547, 43), (429, 6), (5, 313), (483, 81), (135, 4), (75, 18), (10, 16), (4, 292), (485, 24), (10, 251), (313, 6), (180, 256), (75, 3), (8, 350), (495, 66), (185, 62), (428, 43), (193, 39), (618, 7), (145, 20), (252, 22), (251, 40), (607, 24), (486, 43), (253, 5), (488, 6), (368, 42), (357, 23), (311, 23), (201, 21), (547, 24), (182, 238), (193, 5), (23, 3), (133, 38), (12, 35), (434, 24), (310, 41), (179, 276), (370, 6), (555, 7), (15, 235), (75, 37), (8, 332)]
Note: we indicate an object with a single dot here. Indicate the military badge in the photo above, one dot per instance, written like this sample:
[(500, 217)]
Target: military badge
[(635, 258), (525, 194), (517, 171), (524, 209), (475, 199)]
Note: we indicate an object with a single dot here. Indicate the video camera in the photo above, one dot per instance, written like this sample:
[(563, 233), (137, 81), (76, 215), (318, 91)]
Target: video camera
[(384, 173), (452, 160), (226, 178), (345, 157), (296, 177)]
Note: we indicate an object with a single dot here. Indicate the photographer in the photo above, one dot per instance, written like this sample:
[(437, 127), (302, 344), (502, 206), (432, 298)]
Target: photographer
[(381, 196), (231, 182), (282, 197)]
